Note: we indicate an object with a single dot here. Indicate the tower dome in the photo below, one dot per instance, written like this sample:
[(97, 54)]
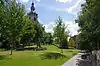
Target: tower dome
[(32, 14), (32, 7)]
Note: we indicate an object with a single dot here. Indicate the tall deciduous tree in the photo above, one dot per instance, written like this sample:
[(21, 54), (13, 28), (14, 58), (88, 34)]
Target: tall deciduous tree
[(12, 23), (89, 21), (28, 31), (60, 35), (71, 43), (48, 38), (39, 34)]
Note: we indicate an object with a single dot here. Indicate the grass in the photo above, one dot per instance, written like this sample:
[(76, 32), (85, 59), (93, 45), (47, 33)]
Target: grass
[(49, 57)]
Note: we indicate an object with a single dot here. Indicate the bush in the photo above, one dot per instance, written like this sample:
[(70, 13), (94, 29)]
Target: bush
[(52, 55)]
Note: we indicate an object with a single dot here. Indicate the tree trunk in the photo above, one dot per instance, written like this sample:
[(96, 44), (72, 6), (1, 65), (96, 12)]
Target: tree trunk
[(11, 48), (61, 50), (11, 52), (12, 45), (98, 46), (38, 45)]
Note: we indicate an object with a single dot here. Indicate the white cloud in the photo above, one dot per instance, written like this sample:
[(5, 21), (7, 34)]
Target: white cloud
[(38, 0), (62, 9), (24, 1), (72, 27), (28, 9), (16, 1), (49, 27), (73, 9), (64, 1), (40, 20)]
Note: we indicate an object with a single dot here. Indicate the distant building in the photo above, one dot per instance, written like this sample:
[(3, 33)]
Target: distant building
[(32, 14), (75, 41)]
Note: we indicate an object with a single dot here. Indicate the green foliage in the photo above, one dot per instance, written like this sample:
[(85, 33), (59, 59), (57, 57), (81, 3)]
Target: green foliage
[(60, 35), (52, 55), (71, 43), (89, 21), (48, 38), (2, 2), (28, 32), (16, 28), (32, 58), (39, 34), (11, 23)]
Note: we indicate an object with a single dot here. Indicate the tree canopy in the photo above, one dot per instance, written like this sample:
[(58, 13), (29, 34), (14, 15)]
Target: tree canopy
[(60, 34), (89, 21), (16, 28)]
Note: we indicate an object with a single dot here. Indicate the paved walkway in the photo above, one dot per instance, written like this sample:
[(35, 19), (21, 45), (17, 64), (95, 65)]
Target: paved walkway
[(72, 61)]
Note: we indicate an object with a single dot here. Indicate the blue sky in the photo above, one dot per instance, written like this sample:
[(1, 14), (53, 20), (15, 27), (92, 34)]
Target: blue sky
[(49, 10)]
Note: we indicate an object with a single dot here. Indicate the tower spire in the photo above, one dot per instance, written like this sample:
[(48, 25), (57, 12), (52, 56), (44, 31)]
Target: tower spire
[(33, 1), (32, 14), (32, 7)]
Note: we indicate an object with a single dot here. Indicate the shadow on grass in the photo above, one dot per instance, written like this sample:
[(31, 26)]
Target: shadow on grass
[(70, 51), (74, 53), (52, 55), (2, 57), (32, 48)]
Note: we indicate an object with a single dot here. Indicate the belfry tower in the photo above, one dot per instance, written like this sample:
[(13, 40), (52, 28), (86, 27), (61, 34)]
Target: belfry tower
[(32, 14)]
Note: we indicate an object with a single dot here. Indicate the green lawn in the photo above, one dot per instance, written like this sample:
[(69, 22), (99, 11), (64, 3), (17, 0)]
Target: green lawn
[(33, 58)]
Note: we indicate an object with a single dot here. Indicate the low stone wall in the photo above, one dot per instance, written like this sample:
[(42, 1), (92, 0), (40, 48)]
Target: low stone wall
[(98, 58), (96, 54)]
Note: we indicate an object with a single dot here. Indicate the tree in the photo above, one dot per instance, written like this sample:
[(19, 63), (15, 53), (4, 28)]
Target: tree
[(60, 35), (71, 43), (48, 38), (12, 23), (39, 34), (1, 14), (89, 21), (28, 32), (1, 2), (16, 28)]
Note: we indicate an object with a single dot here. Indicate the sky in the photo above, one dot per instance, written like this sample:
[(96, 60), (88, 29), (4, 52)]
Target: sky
[(49, 10)]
